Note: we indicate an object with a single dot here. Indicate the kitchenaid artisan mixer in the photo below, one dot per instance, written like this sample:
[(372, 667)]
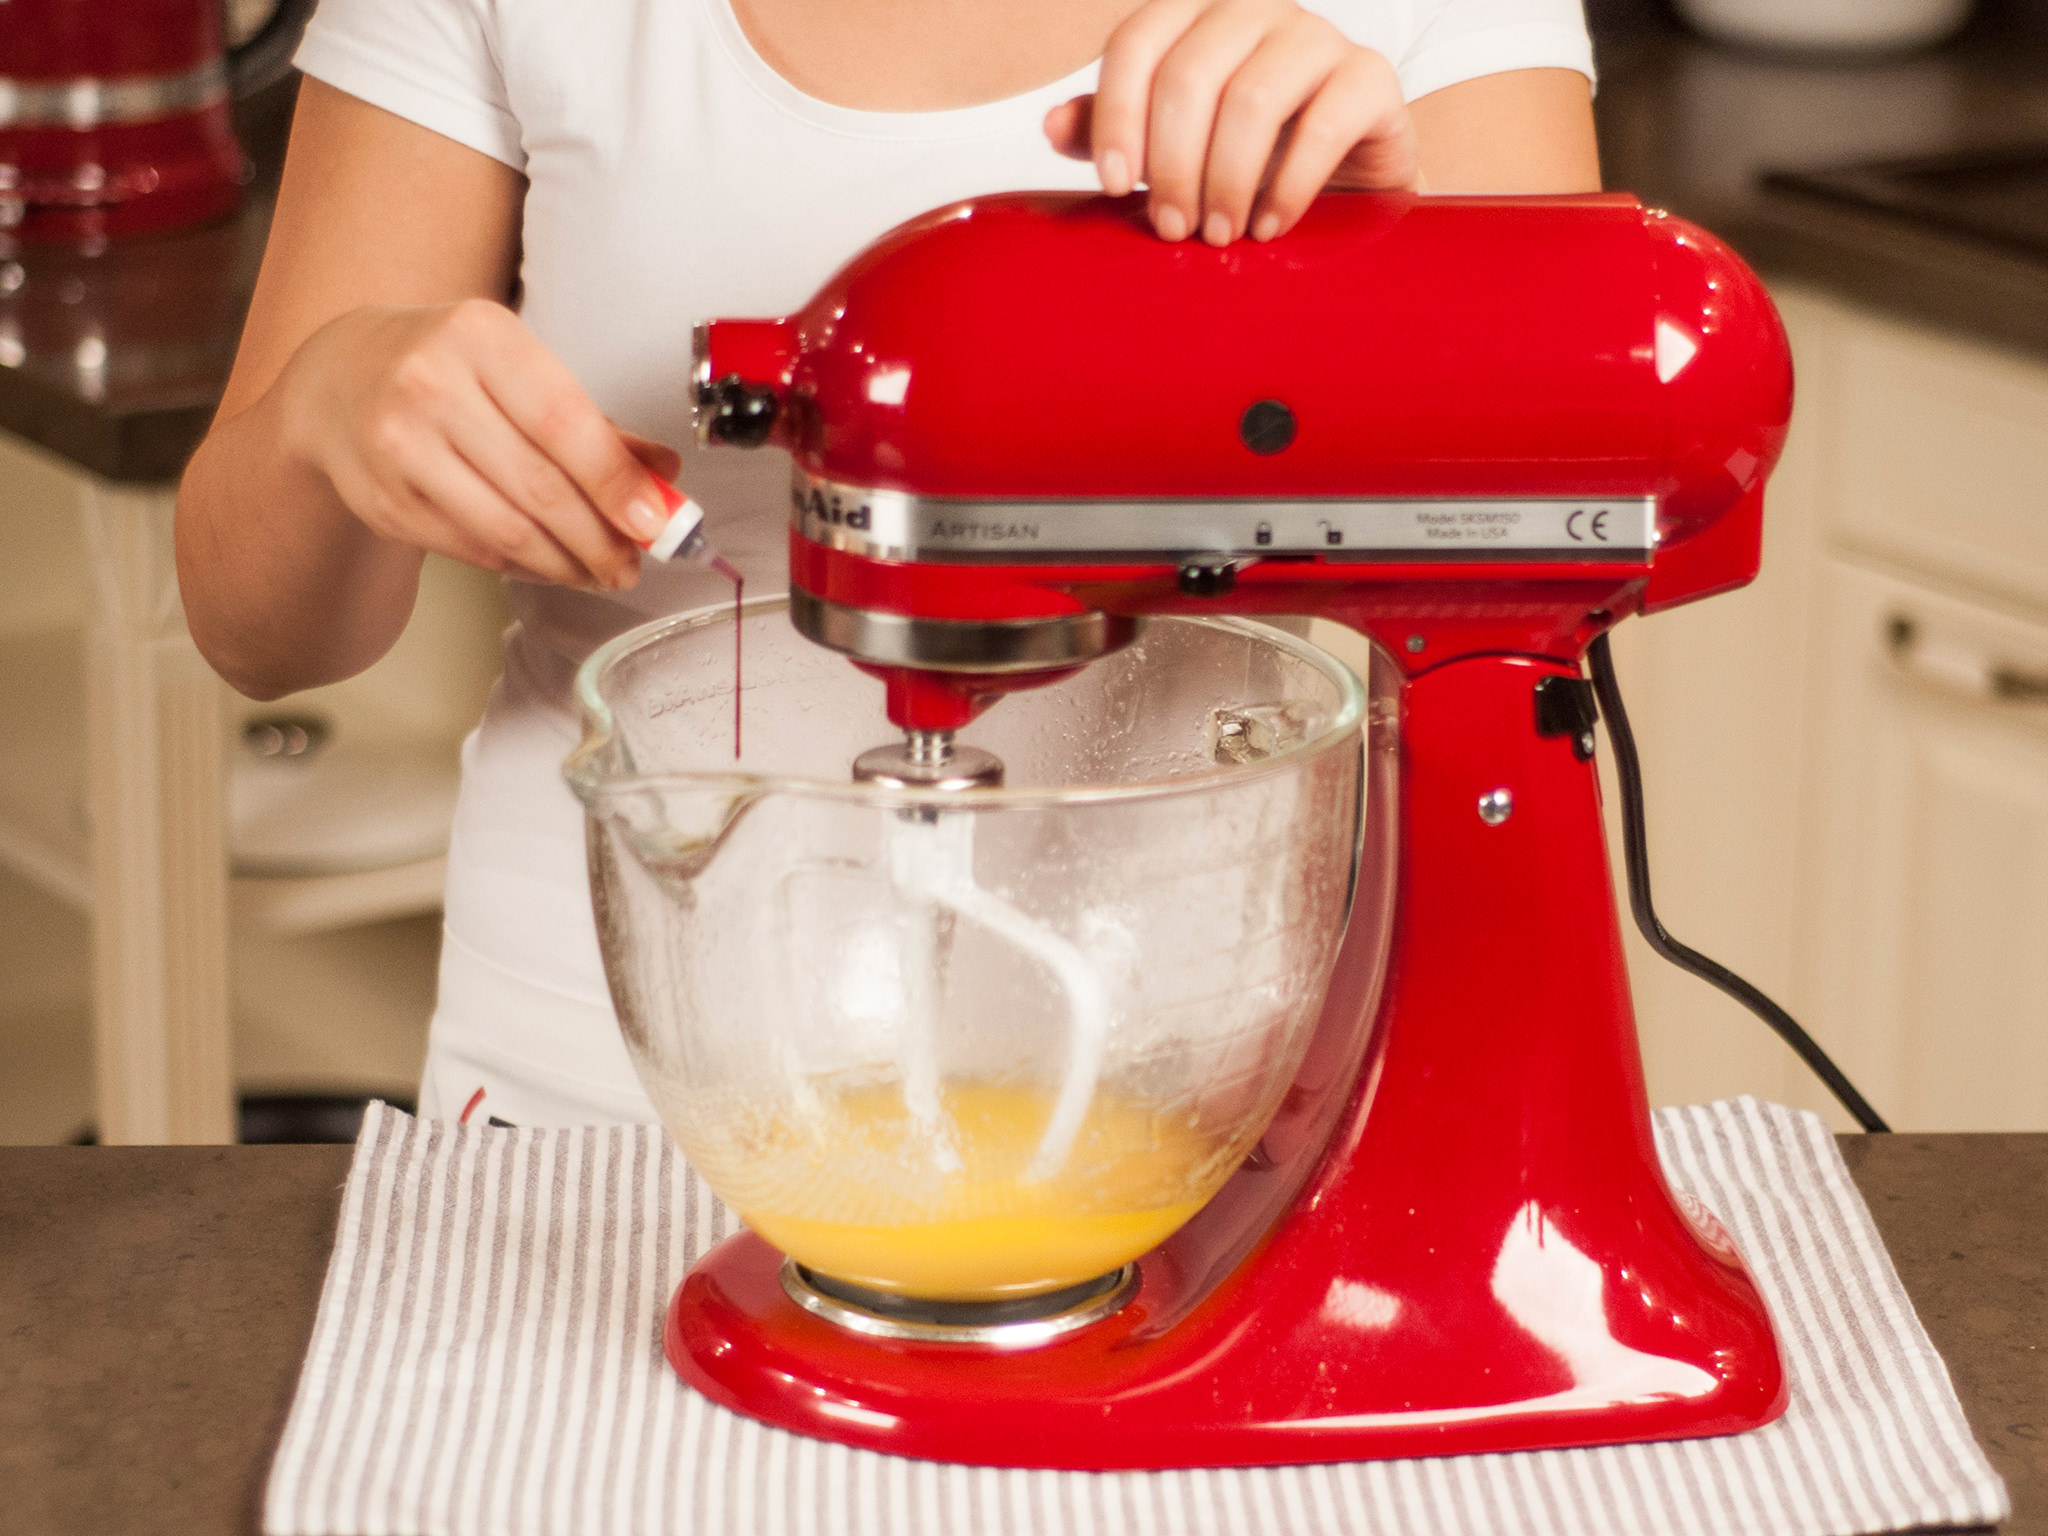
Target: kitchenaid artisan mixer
[(1479, 432)]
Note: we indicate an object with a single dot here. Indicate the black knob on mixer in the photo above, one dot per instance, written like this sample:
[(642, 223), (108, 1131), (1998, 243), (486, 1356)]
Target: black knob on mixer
[(737, 413), (1266, 427)]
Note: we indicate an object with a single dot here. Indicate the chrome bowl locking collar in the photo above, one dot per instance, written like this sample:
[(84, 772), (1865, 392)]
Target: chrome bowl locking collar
[(955, 645), (1013, 1324)]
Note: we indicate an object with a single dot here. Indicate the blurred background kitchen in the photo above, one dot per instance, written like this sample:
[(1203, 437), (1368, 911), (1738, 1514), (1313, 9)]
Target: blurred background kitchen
[(220, 918)]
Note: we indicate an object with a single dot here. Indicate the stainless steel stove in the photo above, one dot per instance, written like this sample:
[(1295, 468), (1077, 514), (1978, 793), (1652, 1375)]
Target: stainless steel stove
[(1996, 196)]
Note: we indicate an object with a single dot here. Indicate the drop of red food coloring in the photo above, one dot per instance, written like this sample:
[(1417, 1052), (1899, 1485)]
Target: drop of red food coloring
[(731, 573)]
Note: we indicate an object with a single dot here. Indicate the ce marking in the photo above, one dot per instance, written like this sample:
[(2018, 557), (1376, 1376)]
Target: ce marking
[(1596, 526)]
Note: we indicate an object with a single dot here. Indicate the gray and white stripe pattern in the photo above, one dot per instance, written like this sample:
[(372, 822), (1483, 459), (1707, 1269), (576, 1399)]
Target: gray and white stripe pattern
[(487, 1359)]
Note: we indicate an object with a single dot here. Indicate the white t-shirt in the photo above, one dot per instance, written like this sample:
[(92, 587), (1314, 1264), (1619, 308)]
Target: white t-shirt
[(673, 177)]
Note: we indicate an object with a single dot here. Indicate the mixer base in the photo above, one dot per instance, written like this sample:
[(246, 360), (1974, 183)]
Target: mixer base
[(1129, 1392)]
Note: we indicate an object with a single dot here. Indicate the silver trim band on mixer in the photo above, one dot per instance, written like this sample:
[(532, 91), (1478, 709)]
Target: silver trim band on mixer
[(700, 382), (957, 645), (90, 103), (898, 525), (1017, 1324)]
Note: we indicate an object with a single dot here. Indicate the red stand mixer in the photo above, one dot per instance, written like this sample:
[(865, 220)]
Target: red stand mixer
[(1480, 431), (114, 115)]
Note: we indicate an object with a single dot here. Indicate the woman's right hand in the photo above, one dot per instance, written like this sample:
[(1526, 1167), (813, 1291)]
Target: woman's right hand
[(450, 428)]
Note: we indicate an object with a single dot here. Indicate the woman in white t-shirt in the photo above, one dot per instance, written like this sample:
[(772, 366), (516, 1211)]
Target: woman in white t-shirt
[(498, 223)]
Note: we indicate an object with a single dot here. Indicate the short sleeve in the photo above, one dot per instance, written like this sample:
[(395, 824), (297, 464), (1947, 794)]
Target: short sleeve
[(1458, 40), (432, 62)]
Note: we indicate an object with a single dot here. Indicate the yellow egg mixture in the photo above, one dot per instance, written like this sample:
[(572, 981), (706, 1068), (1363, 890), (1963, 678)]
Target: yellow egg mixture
[(858, 1194)]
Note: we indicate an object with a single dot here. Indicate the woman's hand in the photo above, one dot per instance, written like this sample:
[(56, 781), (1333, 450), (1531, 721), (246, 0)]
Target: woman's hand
[(1235, 114), (450, 428)]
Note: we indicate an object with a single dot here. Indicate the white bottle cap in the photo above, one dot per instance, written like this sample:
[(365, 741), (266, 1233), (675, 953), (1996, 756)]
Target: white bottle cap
[(685, 518)]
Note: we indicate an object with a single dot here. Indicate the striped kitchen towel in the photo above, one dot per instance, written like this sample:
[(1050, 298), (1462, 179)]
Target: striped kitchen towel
[(487, 1359)]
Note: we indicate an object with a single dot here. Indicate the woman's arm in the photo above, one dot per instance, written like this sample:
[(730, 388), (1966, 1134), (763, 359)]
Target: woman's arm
[(383, 403), (1528, 130)]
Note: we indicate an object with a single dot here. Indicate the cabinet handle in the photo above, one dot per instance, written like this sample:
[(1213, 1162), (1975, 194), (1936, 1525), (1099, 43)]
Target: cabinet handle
[(1958, 669)]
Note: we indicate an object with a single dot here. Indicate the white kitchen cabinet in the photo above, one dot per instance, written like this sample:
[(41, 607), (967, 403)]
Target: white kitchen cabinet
[(1926, 891), (112, 795), (117, 745), (1939, 456)]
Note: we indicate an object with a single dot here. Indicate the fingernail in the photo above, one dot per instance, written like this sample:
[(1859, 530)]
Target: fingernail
[(644, 520), (1115, 173), (1216, 229), (1266, 226), (1171, 223)]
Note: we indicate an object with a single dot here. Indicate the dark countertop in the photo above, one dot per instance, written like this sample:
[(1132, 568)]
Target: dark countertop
[(115, 358), (1686, 123), (155, 1302), (1693, 126), (154, 1305)]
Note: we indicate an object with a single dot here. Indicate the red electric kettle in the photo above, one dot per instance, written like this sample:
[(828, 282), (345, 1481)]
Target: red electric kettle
[(114, 113)]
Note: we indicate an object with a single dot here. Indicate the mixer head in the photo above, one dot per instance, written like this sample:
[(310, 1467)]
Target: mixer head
[(1020, 424)]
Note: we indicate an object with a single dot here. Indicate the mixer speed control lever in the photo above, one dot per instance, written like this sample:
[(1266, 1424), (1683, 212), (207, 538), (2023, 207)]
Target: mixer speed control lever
[(1565, 707), (1208, 576)]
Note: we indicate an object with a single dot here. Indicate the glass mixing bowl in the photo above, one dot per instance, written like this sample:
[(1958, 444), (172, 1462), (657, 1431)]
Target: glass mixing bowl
[(983, 1044)]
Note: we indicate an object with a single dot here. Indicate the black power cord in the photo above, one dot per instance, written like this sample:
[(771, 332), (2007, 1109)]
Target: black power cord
[(1636, 854)]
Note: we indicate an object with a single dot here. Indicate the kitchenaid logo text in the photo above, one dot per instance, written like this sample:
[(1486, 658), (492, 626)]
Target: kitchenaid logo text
[(834, 509), (821, 507)]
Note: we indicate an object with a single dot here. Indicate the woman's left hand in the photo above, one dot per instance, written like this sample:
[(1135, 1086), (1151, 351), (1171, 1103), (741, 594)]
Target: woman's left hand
[(1235, 114)]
